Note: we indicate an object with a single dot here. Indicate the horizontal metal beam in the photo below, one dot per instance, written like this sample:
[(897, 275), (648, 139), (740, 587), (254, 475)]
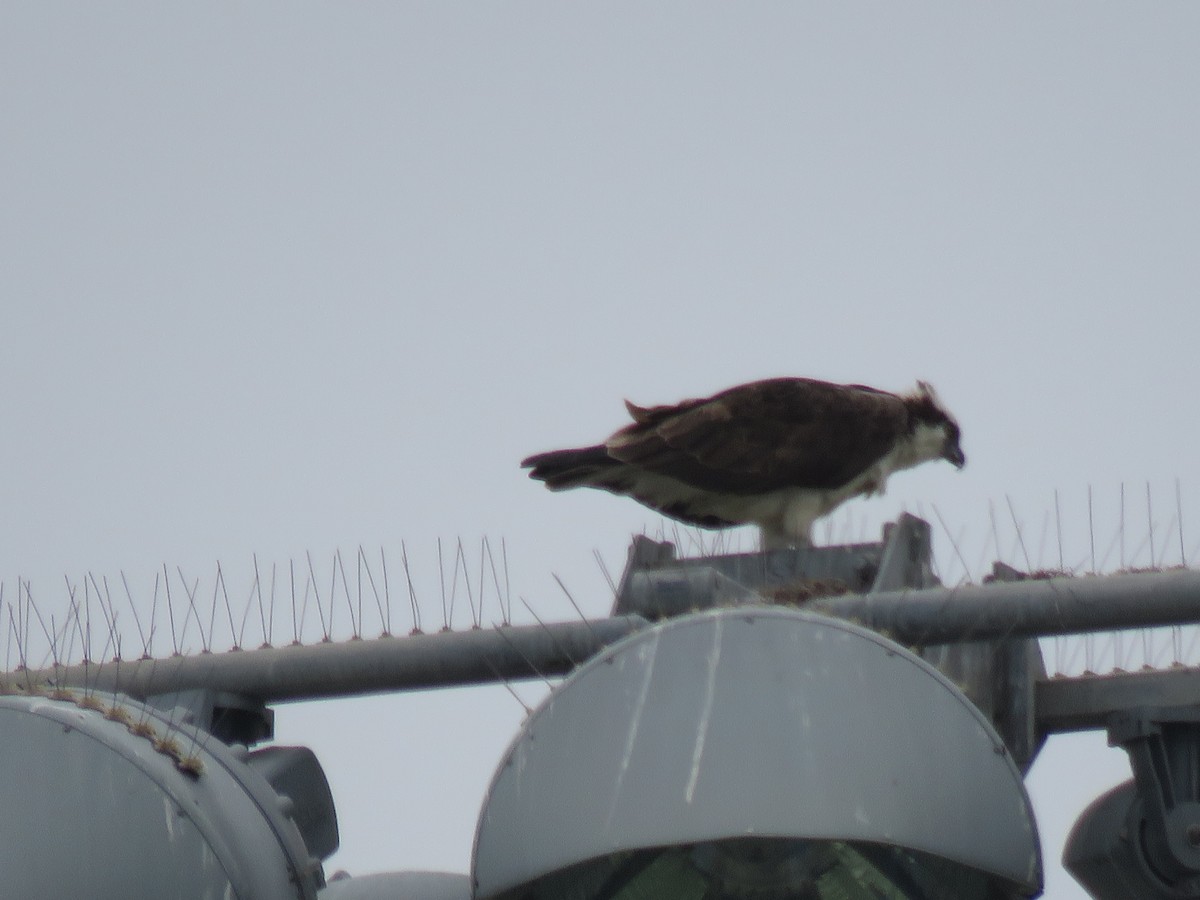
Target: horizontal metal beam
[(1033, 608), (923, 617), (356, 667), (1086, 702)]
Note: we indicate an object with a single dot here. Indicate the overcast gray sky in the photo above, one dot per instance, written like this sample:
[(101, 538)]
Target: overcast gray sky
[(289, 277)]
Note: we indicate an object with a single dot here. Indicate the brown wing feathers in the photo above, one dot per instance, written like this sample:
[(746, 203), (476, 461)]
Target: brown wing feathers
[(765, 436), (746, 440)]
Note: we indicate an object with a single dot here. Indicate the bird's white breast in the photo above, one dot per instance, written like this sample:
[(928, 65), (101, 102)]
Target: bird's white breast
[(788, 514)]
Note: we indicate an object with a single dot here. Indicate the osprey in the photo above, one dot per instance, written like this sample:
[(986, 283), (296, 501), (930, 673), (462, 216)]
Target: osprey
[(778, 453)]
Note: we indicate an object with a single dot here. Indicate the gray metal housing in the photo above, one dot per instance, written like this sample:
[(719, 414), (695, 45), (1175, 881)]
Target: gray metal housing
[(754, 722), (103, 797)]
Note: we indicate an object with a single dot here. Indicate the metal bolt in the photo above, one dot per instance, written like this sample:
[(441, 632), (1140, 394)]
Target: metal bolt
[(1193, 834)]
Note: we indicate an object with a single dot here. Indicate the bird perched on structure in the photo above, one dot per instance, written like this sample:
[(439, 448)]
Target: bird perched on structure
[(778, 453)]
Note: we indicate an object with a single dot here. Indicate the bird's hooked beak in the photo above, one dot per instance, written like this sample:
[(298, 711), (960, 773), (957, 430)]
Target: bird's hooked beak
[(953, 454)]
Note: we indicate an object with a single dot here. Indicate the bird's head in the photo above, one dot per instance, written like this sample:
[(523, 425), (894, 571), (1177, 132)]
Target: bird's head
[(925, 412)]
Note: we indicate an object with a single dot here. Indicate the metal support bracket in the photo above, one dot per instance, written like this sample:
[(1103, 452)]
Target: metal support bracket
[(229, 717), (1164, 752)]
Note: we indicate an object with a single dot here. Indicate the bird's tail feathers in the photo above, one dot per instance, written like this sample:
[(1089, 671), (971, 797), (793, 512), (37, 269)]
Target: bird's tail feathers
[(563, 469)]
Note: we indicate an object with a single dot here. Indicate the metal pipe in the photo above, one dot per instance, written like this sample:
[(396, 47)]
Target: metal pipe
[(913, 617), (1088, 701), (1033, 608), (356, 667)]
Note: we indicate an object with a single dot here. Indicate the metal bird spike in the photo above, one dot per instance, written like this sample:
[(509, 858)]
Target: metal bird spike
[(412, 594), (446, 613), (363, 565), (355, 623), (1179, 516), (262, 617), (1150, 526)]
